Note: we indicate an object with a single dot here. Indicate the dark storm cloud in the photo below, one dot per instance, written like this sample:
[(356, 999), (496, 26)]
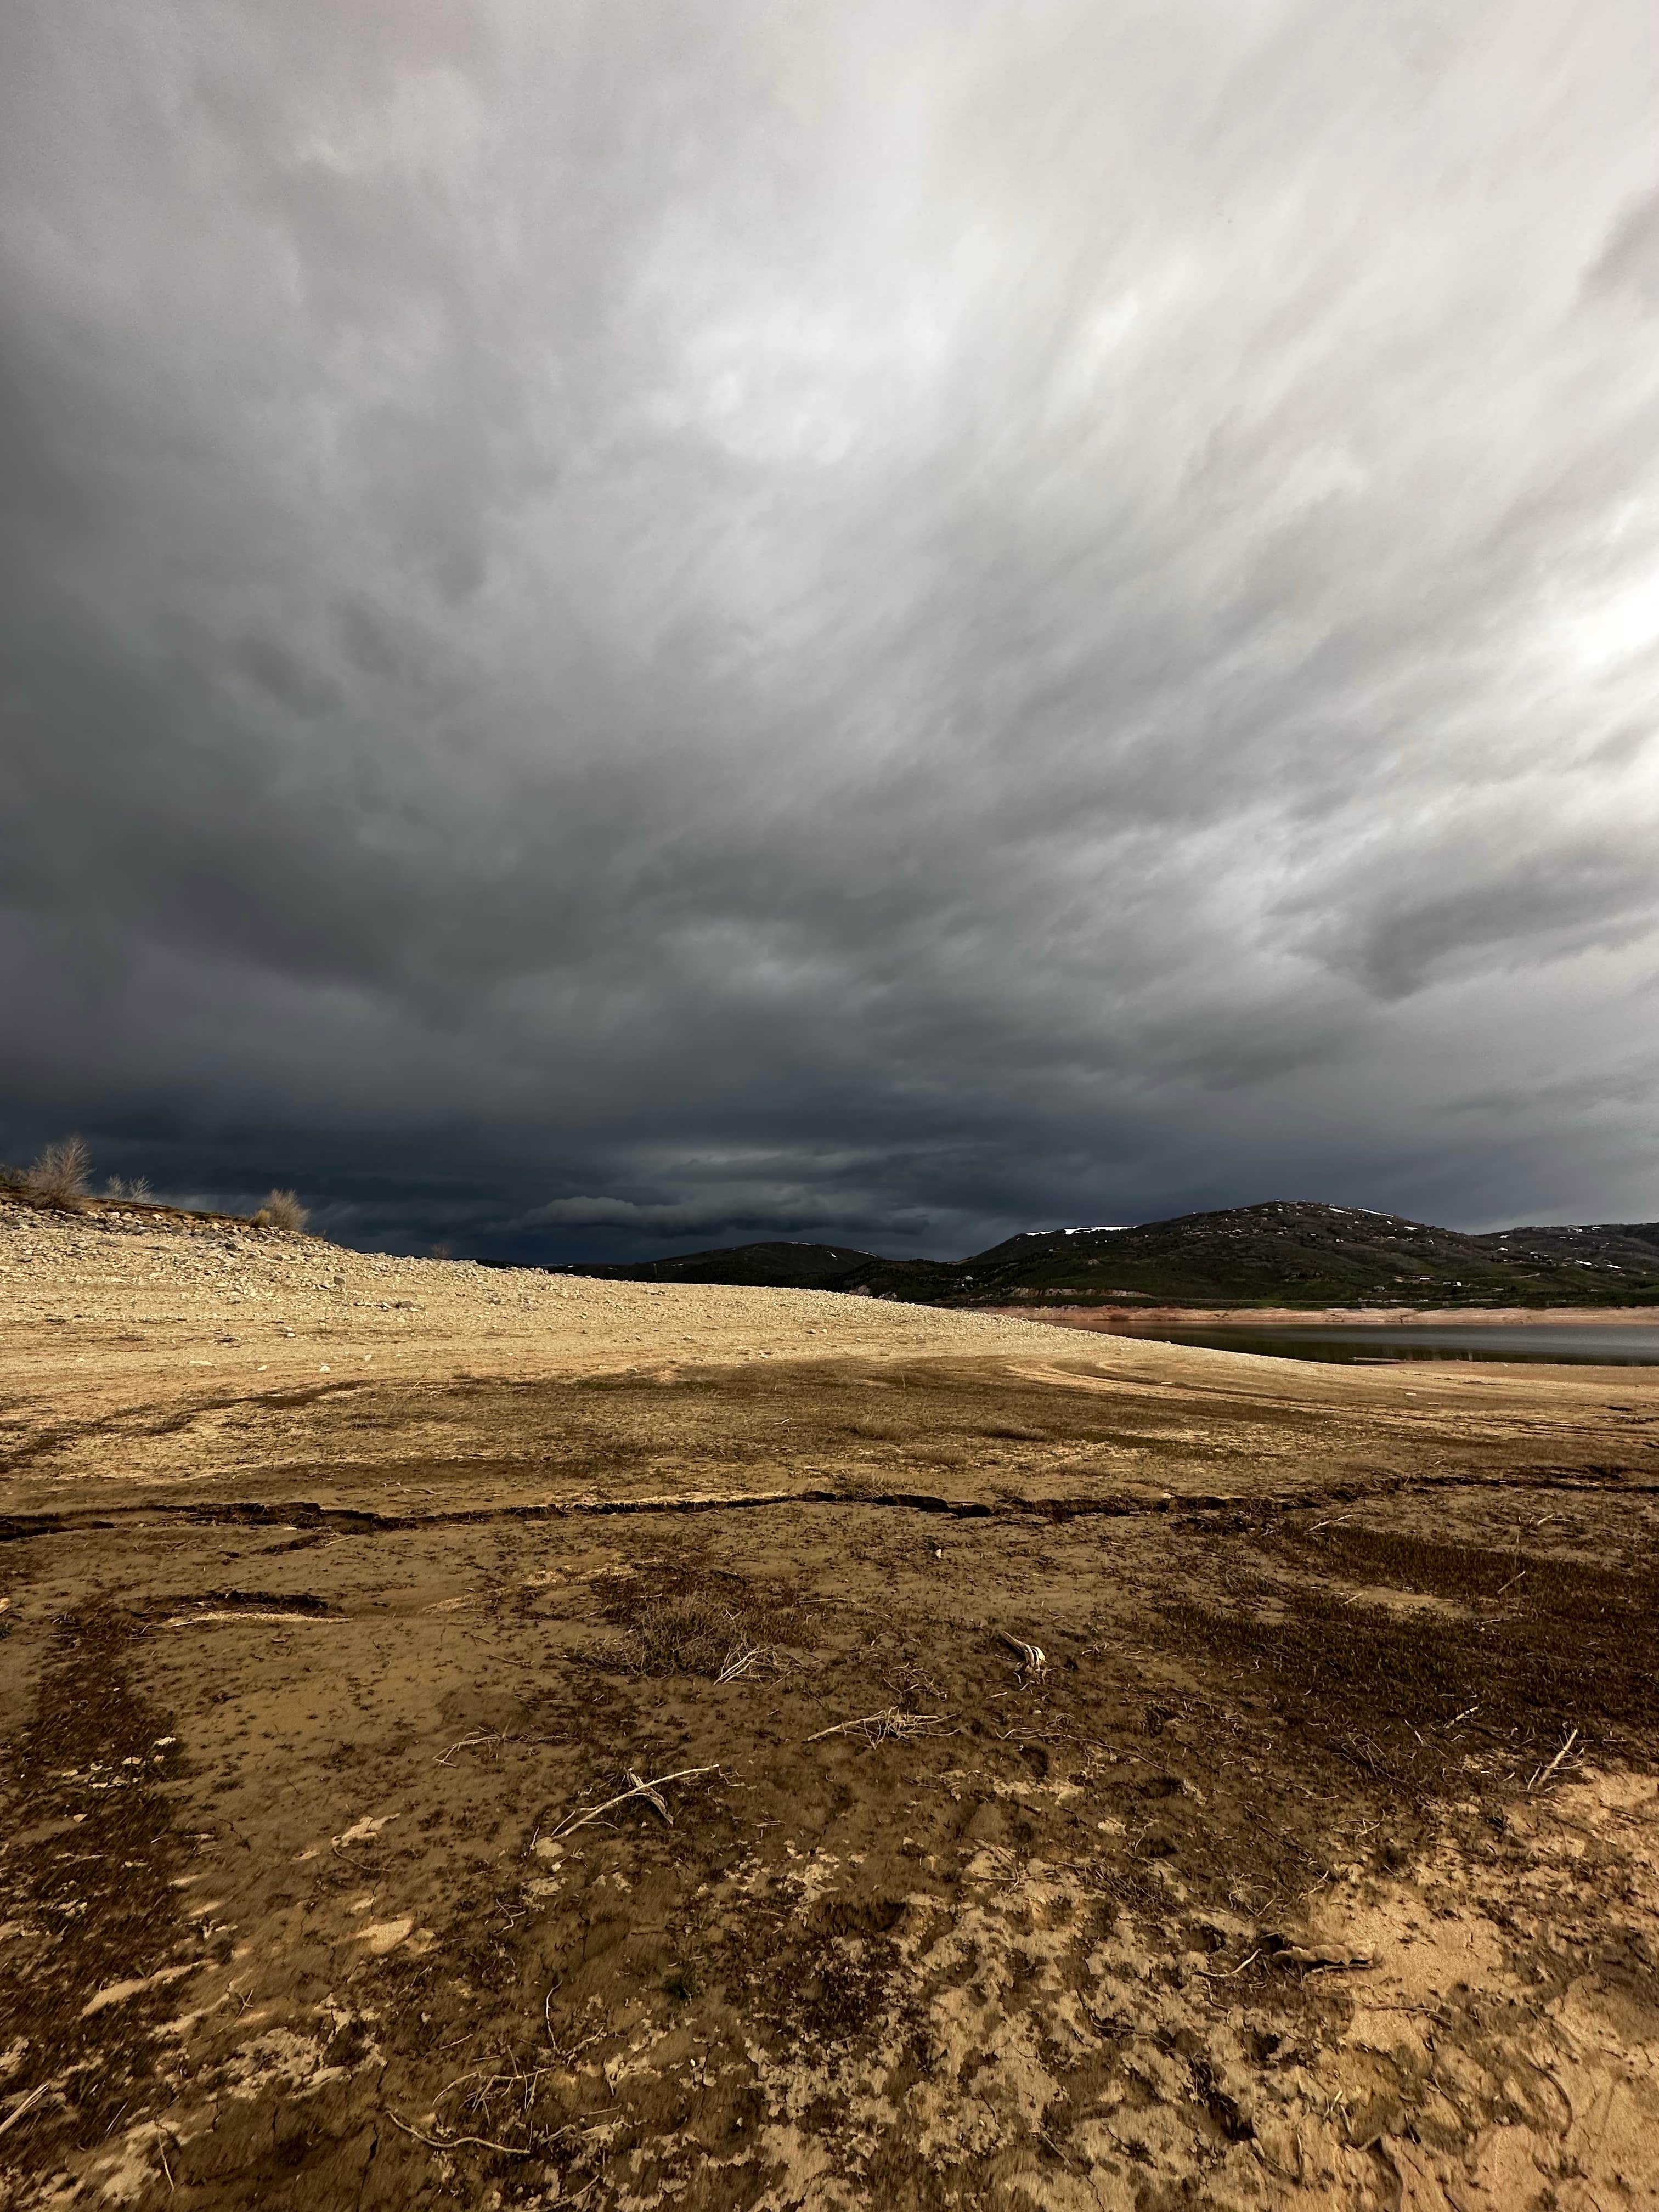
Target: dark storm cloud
[(640, 623)]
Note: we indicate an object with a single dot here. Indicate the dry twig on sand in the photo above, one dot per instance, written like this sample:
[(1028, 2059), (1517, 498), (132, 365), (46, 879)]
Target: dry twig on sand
[(637, 1787), (1229, 1973), (1321, 1962), (476, 1738), (26, 2103), (744, 1658), (468, 1743), (886, 1726), (461, 2142), (567, 2059), (1544, 1772)]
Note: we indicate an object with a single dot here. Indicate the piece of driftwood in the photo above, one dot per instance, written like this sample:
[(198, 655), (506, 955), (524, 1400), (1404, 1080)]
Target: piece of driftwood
[(1032, 1657), (652, 1795)]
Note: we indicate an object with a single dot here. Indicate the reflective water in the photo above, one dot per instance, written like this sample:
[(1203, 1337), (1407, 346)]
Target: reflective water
[(1578, 1344)]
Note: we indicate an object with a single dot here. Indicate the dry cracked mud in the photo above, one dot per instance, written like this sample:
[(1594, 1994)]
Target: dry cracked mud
[(1316, 1863)]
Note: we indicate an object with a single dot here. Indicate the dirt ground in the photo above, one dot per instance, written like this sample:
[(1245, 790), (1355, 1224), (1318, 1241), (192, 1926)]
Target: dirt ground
[(348, 1603)]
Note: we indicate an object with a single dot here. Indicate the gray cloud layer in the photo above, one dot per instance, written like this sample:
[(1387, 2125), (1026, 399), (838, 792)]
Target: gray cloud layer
[(893, 619)]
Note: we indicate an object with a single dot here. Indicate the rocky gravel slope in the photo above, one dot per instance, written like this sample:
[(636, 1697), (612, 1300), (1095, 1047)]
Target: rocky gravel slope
[(114, 1286)]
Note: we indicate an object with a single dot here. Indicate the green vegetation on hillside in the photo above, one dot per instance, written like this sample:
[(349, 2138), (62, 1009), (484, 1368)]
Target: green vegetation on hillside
[(1285, 1253)]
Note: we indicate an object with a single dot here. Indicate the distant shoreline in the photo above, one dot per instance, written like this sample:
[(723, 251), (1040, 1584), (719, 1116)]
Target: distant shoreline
[(1116, 1320)]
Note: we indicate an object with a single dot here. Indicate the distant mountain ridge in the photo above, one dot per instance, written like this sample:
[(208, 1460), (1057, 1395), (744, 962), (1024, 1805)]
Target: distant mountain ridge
[(1282, 1253)]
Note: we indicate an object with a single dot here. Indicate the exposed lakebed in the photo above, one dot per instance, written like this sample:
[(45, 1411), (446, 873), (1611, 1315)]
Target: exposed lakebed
[(520, 1739)]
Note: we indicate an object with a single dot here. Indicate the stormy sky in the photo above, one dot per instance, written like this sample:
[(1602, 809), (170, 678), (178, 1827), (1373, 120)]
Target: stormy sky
[(634, 623)]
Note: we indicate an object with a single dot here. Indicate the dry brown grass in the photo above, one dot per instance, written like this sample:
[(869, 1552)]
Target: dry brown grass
[(715, 1627), (684, 1636), (283, 1210)]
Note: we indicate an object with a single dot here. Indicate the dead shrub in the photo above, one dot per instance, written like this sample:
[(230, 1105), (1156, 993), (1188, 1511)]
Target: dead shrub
[(682, 1635), (283, 1210), (721, 1628), (60, 1173)]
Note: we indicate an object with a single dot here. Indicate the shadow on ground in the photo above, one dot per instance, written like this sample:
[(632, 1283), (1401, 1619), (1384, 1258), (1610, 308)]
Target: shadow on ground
[(1312, 1862)]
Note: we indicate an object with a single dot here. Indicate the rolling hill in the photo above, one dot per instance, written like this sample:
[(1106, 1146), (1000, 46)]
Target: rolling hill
[(1284, 1253)]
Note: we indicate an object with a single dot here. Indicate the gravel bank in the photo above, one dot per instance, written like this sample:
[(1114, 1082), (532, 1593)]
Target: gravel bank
[(216, 1292)]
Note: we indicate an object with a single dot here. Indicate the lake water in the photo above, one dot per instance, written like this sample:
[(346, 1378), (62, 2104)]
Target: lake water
[(1576, 1344)]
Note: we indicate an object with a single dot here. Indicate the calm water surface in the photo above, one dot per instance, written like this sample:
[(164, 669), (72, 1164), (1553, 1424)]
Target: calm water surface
[(1576, 1344)]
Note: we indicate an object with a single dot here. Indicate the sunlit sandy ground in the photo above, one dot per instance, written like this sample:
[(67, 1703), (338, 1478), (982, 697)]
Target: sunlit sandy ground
[(1314, 1863)]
